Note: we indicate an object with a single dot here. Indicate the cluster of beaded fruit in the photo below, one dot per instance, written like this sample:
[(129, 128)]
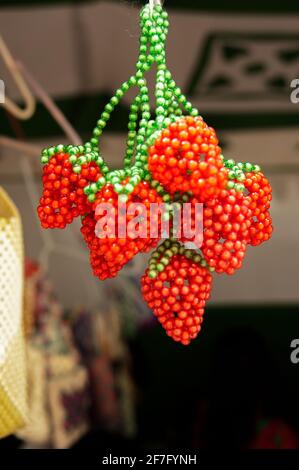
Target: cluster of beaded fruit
[(169, 157)]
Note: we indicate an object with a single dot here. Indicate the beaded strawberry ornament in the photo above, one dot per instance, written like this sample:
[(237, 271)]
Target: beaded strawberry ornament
[(171, 156)]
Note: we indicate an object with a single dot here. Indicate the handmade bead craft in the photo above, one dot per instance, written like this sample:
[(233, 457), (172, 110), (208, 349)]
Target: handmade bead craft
[(172, 156)]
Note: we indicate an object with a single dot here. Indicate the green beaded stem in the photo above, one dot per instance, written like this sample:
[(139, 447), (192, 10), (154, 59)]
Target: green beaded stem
[(237, 172), (161, 257), (169, 100), (79, 155)]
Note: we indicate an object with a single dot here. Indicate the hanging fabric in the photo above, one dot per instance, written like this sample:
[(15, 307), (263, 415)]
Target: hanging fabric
[(13, 405), (58, 382)]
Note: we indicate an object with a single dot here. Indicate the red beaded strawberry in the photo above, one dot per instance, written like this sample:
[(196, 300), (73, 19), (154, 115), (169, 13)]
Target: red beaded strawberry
[(169, 158), (63, 196), (178, 296), (111, 249), (227, 220), (99, 265), (186, 157), (260, 195)]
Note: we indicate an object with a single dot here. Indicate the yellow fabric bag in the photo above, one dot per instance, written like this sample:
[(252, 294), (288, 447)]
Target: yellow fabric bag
[(13, 390)]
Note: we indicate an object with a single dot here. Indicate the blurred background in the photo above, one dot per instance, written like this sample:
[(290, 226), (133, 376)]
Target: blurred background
[(235, 386)]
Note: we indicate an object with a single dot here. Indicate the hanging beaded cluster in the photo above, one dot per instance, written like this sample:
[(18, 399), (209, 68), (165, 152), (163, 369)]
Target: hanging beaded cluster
[(170, 156)]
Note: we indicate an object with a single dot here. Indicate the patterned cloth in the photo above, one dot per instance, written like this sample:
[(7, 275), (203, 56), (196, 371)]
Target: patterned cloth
[(13, 399), (58, 382)]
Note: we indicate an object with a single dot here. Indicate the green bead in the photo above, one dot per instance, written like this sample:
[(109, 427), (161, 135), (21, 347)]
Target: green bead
[(105, 116), (159, 93), (97, 132), (140, 139), (161, 102), (132, 81), (91, 197), (188, 254), (241, 177), (101, 181), (129, 188), (160, 267), (239, 187), (152, 274), (143, 40), (60, 148), (77, 169), (150, 58), (125, 87), (133, 116), (82, 160), (131, 126), (114, 100), (118, 187), (101, 123), (166, 198), (51, 151), (160, 111), (188, 106), (197, 258), (94, 142), (109, 108), (146, 66), (139, 74), (177, 92), (93, 187)]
